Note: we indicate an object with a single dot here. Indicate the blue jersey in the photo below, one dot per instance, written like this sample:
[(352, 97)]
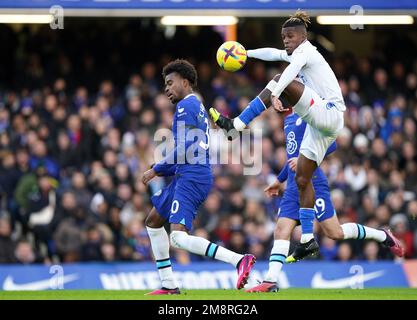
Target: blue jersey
[(294, 129), (190, 157), (179, 201)]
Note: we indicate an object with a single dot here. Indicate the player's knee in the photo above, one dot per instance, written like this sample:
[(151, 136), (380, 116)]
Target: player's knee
[(302, 182), (178, 239), (151, 223), (282, 233)]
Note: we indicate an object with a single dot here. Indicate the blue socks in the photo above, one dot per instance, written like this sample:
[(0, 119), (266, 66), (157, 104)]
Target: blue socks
[(306, 219), (254, 109)]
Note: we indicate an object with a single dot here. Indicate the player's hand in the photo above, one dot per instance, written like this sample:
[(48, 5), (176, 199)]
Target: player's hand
[(293, 163), (148, 176), (277, 104), (275, 189), (224, 123)]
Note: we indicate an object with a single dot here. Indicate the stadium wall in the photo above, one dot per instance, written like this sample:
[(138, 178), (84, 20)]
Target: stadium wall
[(206, 275)]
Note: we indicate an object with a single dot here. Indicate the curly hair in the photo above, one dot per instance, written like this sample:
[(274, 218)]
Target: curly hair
[(299, 18), (184, 68)]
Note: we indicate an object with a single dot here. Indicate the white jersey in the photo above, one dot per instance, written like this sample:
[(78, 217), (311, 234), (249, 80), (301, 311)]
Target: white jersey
[(310, 66)]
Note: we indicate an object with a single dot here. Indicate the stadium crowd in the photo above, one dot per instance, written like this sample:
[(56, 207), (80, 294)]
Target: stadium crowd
[(73, 148)]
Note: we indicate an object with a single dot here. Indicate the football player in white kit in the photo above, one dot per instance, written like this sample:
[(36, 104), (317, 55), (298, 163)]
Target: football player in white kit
[(310, 86)]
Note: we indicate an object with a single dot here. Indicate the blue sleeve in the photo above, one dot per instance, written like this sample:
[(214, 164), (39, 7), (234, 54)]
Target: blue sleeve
[(283, 175), (332, 148), (165, 170), (167, 166)]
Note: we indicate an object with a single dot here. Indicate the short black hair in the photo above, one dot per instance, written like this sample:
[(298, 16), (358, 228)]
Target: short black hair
[(184, 68), (300, 18)]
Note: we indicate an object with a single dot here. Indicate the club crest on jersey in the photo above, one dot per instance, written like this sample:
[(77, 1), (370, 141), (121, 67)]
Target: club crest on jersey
[(330, 105), (291, 143)]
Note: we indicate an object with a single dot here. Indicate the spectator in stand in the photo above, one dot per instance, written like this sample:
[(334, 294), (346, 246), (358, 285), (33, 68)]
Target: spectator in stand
[(25, 254), (6, 243)]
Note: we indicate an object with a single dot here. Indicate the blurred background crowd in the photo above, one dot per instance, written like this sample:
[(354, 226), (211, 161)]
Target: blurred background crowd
[(78, 114)]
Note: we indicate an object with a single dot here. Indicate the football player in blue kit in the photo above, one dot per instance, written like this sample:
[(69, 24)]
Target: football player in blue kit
[(288, 213), (178, 202)]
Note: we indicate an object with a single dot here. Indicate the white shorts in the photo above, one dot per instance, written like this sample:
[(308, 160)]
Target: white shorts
[(324, 122)]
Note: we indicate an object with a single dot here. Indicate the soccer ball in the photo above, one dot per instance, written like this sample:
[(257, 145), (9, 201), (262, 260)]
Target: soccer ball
[(231, 56)]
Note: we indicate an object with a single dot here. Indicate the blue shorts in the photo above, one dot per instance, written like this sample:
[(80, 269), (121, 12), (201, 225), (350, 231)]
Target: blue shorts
[(179, 201), (290, 205)]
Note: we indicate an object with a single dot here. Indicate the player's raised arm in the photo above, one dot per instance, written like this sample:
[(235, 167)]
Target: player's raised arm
[(268, 54), (299, 60)]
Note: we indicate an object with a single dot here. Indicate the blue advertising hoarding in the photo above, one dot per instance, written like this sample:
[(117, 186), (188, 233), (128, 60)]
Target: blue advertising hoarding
[(203, 275)]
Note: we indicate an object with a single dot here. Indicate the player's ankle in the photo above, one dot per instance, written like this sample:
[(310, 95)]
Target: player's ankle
[(238, 124), (306, 237)]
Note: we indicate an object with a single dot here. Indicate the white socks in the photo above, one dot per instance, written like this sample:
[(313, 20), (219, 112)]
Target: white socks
[(238, 124), (203, 247), (306, 237), (180, 239), (360, 232), (278, 254), (160, 248)]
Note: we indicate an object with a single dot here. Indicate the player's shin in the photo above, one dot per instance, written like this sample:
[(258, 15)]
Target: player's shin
[(254, 109), (278, 254), (203, 247), (360, 232), (305, 169), (160, 248), (256, 106), (306, 219)]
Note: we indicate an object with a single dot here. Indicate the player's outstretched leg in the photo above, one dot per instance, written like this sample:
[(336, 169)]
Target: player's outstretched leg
[(335, 231), (308, 245), (385, 236), (254, 109), (197, 245), (160, 248)]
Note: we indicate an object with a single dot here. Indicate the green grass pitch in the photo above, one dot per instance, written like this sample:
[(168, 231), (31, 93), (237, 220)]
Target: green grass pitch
[(283, 294)]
